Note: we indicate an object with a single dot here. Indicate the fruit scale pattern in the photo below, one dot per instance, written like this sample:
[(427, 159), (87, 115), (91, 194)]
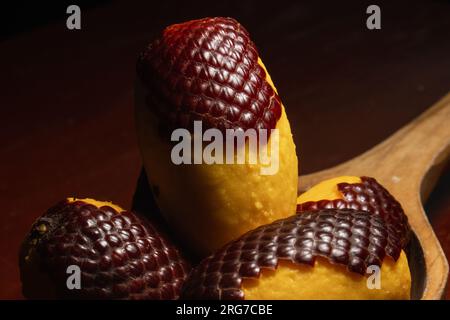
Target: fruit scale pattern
[(208, 70), (120, 254)]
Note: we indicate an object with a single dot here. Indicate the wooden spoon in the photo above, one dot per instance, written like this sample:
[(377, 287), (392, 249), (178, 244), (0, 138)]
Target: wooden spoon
[(408, 164)]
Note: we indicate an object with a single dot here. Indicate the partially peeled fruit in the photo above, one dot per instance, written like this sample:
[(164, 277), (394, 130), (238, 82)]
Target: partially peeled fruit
[(209, 70), (359, 193), (322, 252)]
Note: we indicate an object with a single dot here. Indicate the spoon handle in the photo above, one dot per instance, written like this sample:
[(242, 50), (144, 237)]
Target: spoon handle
[(408, 164), (412, 156)]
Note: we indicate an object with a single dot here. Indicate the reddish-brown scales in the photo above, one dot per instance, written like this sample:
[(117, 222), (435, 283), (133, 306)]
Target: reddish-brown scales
[(208, 70), (121, 256), (352, 238), (370, 196)]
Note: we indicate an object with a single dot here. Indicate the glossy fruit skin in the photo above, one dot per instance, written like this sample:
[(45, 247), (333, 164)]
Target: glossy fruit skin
[(369, 196), (120, 255), (208, 70), (353, 238)]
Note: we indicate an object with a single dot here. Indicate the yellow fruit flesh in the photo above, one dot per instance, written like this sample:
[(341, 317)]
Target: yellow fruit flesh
[(329, 281), (97, 203), (326, 189), (209, 205)]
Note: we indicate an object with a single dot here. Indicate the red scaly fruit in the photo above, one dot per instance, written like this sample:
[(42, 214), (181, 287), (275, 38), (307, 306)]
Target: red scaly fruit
[(120, 255)]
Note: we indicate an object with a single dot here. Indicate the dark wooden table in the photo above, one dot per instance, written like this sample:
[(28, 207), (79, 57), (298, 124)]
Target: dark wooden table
[(66, 99)]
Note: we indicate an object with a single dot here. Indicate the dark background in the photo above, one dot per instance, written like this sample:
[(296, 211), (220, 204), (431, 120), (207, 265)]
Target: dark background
[(66, 97)]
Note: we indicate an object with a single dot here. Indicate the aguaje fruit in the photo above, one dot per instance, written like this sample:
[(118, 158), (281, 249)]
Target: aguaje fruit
[(362, 193), (119, 255), (320, 254), (209, 70), (343, 228)]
